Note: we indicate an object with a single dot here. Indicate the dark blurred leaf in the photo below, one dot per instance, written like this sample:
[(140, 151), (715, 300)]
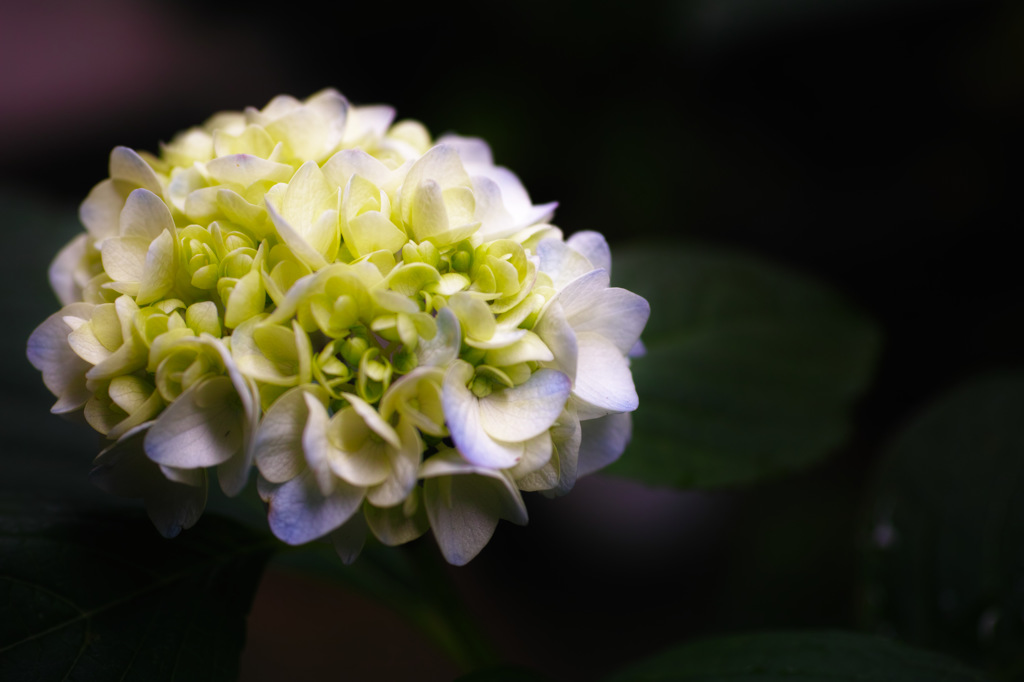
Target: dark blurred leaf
[(414, 581), (101, 596), (750, 369), (946, 564), (803, 656), (504, 673)]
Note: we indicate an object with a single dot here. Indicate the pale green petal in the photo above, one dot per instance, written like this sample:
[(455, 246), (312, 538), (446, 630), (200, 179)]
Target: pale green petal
[(247, 299), (160, 268), (203, 317), (84, 342), (411, 278), (295, 241), (340, 168), (124, 258), (130, 171), (246, 169), (145, 215), (428, 215), (450, 283), (500, 339), (529, 348), (240, 211), (129, 392), (474, 315), (373, 420), (372, 231)]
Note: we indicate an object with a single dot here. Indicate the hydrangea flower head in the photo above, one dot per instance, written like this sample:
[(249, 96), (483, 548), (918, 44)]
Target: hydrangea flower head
[(384, 326)]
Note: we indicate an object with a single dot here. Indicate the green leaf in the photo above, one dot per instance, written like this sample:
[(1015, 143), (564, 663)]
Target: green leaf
[(797, 657), (946, 558), (90, 595), (750, 371)]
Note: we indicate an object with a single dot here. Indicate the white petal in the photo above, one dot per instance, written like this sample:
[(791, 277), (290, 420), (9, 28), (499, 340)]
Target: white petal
[(233, 474), (399, 524), (566, 439), (192, 477), (367, 120), (594, 247), (317, 449), (202, 428), (536, 454), (603, 378), (616, 314), (603, 440), (579, 293), (556, 333), (62, 270), (278, 442), (464, 511), (562, 263), (473, 151), (63, 371), (101, 210), (443, 349), (123, 470), (404, 463), (298, 512), (462, 414), (522, 412), (348, 540), (340, 168)]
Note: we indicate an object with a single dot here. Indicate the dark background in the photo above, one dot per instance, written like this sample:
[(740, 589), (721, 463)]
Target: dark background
[(874, 144)]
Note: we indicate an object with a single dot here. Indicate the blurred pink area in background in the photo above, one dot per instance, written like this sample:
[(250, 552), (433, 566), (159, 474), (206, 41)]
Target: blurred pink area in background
[(74, 68)]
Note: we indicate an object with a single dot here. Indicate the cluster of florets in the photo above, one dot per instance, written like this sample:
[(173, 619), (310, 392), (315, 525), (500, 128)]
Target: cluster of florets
[(385, 326)]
